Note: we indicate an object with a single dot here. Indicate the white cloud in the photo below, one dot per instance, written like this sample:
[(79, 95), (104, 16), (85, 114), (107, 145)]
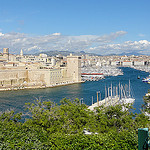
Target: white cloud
[(142, 46), (32, 48), (142, 35), (1, 34), (88, 43), (56, 34), (110, 37)]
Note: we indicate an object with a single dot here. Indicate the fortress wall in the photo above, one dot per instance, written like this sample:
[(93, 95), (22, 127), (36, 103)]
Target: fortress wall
[(39, 77), (12, 77)]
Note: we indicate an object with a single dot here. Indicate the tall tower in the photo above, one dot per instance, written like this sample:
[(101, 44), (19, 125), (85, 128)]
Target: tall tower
[(21, 52), (5, 50), (74, 68), (53, 61), (6, 53)]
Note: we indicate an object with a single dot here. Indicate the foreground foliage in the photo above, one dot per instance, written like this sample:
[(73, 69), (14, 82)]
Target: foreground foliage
[(51, 126), (146, 106)]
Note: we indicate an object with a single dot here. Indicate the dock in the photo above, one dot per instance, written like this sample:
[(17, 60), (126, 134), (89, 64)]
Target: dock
[(109, 101)]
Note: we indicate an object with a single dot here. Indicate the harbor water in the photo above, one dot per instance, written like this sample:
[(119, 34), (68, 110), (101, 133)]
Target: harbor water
[(84, 91)]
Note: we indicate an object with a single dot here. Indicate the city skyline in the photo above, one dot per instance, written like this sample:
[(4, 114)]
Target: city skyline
[(101, 27)]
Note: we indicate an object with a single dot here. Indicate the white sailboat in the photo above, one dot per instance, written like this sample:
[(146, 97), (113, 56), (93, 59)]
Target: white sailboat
[(127, 99), (112, 98)]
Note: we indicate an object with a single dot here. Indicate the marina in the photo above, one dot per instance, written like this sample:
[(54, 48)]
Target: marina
[(114, 95), (92, 76), (105, 70), (142, 68), (83, 91)]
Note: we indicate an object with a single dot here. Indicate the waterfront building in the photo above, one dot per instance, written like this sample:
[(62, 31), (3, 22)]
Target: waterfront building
[(48, 71), (127, 63), (139, 62), (74, 68), (11, 78), (115, 63), (35, 74)]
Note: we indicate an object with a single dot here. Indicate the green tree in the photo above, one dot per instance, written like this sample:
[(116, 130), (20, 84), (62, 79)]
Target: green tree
[(51, 126)]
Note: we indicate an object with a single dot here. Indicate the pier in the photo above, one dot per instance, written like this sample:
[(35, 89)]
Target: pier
[(109, 101)]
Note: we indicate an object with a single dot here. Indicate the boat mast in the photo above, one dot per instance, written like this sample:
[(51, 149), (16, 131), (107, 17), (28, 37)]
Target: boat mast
[(129, 89), (119, 91), (116, 91), (105, 94), (99, 95), (124, 93), (108, 95), (111, 93), (97, 100), (121, 95)]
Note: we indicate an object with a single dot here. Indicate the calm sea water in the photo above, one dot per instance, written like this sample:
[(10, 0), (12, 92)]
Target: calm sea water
[(16, 99)]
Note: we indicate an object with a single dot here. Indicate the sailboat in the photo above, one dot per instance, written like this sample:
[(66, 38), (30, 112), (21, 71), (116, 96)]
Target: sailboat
[(117, 95), (127, 99)]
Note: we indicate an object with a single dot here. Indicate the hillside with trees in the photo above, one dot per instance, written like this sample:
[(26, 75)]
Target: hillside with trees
[(49, 126)]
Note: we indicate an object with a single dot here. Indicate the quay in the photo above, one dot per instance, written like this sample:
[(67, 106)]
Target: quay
[(109, 101), (37, 86)]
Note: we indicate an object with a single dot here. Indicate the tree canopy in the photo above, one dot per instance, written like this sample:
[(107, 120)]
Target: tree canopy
[(50, 126)]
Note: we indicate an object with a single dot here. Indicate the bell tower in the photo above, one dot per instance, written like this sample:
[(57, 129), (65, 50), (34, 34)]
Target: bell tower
[(6, 53), (21, 52)]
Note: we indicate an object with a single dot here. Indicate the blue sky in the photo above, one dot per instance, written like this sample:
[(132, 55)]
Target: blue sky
[(100, 26)]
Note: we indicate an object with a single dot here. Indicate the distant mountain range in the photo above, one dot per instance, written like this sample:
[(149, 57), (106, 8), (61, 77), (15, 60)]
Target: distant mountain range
[(131, 53), (127, 54), (66, 53)]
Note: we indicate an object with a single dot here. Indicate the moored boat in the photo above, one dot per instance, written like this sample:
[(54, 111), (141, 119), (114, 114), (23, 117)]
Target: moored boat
[(146, 79)]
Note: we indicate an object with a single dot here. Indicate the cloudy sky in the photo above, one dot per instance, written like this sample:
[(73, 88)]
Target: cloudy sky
[(97, 26)]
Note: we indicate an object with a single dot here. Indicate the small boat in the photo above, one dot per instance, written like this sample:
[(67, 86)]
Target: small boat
[(138, 77), (147, 79)]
